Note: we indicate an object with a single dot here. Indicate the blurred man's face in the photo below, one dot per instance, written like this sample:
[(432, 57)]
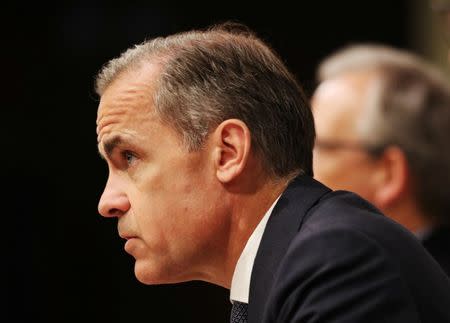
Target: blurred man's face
[(340, 160), (167, 200)]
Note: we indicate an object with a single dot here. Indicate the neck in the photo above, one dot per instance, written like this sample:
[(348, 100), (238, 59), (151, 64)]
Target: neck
[(247, 211), (408, 214)]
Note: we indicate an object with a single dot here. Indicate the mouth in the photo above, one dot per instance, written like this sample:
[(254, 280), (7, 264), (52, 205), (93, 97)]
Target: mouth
[(126, 236)]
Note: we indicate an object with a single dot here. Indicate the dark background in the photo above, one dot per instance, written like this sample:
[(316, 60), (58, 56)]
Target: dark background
[(63, 261)]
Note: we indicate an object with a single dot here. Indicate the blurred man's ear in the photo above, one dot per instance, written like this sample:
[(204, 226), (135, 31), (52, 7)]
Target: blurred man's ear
[(232, 142), (392, 180)]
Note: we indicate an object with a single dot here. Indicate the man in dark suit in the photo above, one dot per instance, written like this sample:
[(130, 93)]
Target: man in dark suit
[(208, 140), (383, 123), (334, 258)]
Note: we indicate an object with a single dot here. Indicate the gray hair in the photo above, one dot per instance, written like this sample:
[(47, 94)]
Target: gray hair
[(408, 106), (221, 73)]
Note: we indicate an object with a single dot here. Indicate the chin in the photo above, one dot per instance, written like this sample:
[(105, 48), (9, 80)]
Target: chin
[(151, 274), (147, 275), (145, 280)]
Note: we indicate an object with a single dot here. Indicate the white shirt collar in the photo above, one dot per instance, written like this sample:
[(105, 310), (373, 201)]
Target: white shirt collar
[(240, 283)]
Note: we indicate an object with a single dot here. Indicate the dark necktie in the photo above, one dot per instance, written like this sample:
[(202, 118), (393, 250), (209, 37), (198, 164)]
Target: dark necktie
[(239, 312)]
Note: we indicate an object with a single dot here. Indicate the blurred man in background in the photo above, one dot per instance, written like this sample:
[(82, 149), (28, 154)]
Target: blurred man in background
[(383, 129)]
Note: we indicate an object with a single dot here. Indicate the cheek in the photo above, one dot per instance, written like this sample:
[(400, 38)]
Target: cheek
[(350, 177), (326, 165), (166, 212), (171, 201)]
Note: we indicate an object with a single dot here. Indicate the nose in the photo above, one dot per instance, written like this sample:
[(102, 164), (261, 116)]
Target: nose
[(114, 202)]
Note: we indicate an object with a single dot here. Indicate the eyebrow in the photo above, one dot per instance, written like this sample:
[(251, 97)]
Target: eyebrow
[(109, 145)]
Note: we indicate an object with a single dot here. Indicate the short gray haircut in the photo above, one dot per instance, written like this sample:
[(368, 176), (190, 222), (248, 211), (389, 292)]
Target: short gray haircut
[(208, 76), (408, 106)]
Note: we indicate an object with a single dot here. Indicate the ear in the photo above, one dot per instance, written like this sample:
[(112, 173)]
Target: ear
[(392, 179), (232, 142)]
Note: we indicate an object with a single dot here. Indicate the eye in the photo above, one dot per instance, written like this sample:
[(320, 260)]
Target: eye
[(128, 156)]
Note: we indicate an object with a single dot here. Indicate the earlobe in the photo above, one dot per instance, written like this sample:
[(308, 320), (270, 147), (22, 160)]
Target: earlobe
[(232, 142), (393, 183)]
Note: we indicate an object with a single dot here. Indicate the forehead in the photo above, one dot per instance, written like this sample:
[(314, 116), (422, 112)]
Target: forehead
[(127, 101), (338, 104), (135, 84)]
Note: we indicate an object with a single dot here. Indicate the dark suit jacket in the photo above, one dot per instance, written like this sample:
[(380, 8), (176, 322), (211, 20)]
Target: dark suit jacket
[(332, 257), (437, 244)]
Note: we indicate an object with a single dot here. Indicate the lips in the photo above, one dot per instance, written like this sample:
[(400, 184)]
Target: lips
[(125, 232), (126, 236)]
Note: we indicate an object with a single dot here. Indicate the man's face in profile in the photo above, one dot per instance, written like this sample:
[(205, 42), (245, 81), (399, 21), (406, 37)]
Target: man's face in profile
[(166, 199)]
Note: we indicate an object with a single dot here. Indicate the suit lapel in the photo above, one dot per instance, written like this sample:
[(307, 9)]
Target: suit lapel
[(283, 224)]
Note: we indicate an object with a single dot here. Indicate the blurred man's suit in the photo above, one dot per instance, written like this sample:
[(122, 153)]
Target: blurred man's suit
[(332, 257), (437, 243)]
